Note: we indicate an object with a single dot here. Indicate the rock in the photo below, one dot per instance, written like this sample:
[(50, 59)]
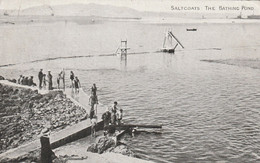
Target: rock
[(103, 143), (58, 97), (45, 130), (123, 149), (93, 148), (36, 97), (2, 78)]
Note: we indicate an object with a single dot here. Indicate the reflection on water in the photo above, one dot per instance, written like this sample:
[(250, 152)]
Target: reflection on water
[(123, 62)]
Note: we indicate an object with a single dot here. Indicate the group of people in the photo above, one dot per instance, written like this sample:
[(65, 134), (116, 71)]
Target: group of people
[(75, 83), (112, 117), (23, 80), (43, 81), (46, 80)]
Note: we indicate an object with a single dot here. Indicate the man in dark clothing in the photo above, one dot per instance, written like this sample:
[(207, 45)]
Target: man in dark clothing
[(49, 76), (26, 81), (40, 76), (30, 81), (106, 118), (76, 84), (108, 128), (22, 80)]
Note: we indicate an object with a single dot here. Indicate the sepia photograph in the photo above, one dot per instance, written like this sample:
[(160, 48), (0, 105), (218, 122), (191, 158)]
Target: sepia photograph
[(129, 81)]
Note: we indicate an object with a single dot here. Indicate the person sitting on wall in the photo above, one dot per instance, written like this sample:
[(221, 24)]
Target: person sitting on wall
[(26, 81), (22, 80), (19, 80), (30, 82)]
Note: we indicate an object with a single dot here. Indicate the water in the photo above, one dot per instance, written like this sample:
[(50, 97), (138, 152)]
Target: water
[(209, 111)]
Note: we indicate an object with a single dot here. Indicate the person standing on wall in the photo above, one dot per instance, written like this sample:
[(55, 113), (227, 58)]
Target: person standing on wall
[(72, 79), (44, 81), (92, 102), (58, 80), (94, 89), (76, 85), (94, 93), (62, 77), (49, 76), (40, 76)]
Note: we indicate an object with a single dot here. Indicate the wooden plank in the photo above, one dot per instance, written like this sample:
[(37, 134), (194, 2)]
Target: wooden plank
[(176, 39), (126, 126)]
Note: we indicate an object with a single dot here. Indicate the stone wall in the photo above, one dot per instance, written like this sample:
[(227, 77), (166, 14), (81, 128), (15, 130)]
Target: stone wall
[(25, 114)]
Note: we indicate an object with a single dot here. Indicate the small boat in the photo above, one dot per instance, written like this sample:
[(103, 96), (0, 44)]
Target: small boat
[(191, 29)]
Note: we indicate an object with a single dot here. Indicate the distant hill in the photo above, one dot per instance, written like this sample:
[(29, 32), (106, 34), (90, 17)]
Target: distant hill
[(83, 10), (103, 11)]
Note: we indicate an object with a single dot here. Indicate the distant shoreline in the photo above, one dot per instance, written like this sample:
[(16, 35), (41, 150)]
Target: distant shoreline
[(88, 20), (252, 63)]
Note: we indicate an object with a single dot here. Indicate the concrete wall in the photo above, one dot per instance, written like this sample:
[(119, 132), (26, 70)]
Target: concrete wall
[(76, 136)]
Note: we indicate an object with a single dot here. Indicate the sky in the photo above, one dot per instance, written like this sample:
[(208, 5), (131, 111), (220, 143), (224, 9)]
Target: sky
[(142, 5)]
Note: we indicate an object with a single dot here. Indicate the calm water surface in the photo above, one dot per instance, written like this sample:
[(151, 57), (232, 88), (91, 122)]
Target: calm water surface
[(209, 112)]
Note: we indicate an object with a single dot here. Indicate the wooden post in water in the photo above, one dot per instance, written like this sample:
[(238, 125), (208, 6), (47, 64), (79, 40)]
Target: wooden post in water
[(45, 150), (123, 54), (124, 49)]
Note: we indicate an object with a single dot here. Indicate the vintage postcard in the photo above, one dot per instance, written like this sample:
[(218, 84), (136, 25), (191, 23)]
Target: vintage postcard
[(129, 81)]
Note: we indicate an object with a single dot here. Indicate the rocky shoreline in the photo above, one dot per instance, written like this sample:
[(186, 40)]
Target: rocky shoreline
[(25, 115)]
